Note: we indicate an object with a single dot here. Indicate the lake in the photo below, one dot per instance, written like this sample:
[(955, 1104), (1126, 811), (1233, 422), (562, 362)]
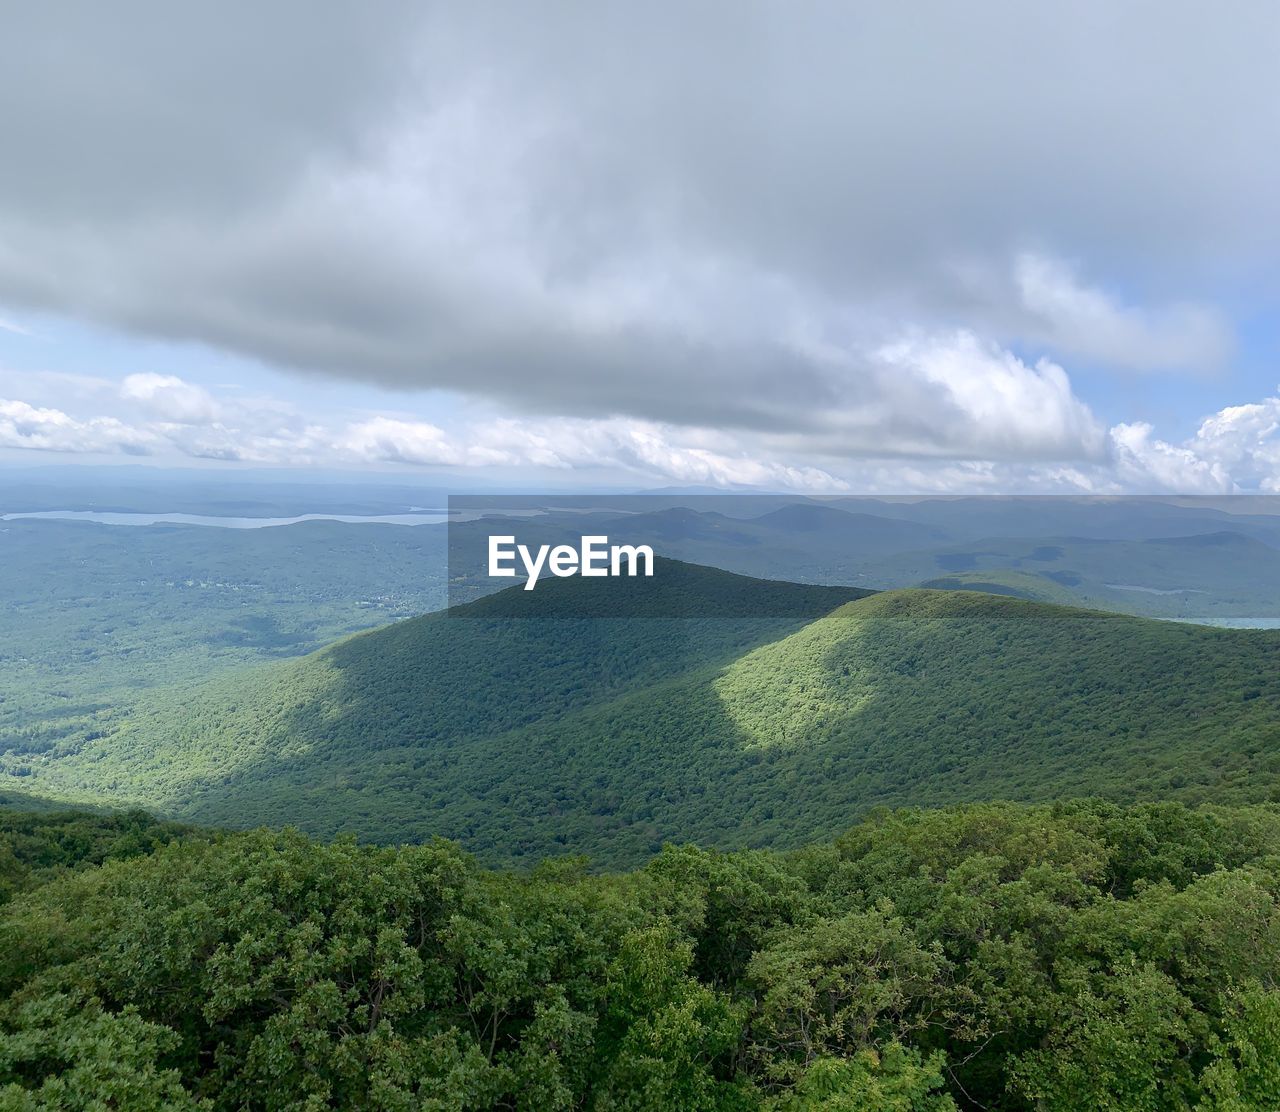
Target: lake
[(106, 517)]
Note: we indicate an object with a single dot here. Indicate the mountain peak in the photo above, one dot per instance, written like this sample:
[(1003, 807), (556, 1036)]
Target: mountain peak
[(676, 589)]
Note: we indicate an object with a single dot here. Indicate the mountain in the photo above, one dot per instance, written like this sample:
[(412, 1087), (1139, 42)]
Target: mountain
[(1217, 575), (795, 541), (860, 533), (1125, 517), (1131, 555), (524, 729)]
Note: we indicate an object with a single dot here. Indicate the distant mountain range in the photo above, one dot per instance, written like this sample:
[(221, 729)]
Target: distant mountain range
[(1148, 557)]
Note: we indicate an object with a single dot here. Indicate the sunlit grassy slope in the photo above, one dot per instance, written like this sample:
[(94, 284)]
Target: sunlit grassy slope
[(536, 735)]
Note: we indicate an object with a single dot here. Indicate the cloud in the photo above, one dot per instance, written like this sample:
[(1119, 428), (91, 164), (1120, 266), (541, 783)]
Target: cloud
[(984, 391), (1083, 320), (973, 399), (1236, 449), (172, 419), (385, 440), (171, 398), (573, 211), (640, 448), (51, 430), (159, 415), (1146, 464), (1245, 440)]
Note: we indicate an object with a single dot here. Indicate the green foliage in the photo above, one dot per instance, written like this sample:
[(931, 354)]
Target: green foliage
[(837, 986), (1052, 957), (37, 846), (1246, 1072), (439, 700), (63, 1052), (894, 1079), (667, 1037), (1187, 572), (1119, 1047)]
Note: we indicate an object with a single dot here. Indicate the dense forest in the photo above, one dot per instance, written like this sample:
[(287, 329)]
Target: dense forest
[(1073, 956), (95, 615), (551, 733)]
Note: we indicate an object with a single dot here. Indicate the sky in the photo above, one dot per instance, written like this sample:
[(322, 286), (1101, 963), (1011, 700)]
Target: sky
[(821, 246)]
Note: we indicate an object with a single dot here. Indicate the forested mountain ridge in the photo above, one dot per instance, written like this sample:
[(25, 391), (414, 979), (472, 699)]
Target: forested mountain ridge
[(528, 736)]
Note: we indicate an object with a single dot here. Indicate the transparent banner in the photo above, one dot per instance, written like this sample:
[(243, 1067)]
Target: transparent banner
[(1209, 560)]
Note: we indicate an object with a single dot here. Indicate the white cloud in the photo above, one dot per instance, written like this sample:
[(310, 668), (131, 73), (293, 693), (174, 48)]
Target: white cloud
[(563, 444), (971, 399), (1244, 439), (968, 396), (1235, 449), (1145, 464), (1082, 320), (387, 440), (649, 449), (51, 430), (170, 398)]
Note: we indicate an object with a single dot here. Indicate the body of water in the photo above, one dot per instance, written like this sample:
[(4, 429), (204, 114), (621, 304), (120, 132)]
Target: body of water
[(106, 517), (1155, 590), (1238, 623)]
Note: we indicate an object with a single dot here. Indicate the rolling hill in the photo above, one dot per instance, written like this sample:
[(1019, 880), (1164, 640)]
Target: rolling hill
[(1218, 575), (768, 713)]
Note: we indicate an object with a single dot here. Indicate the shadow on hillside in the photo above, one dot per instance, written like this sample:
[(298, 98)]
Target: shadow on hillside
[(526, 738), (471, 728)]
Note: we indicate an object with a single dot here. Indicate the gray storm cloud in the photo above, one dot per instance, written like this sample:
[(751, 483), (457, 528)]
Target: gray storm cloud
[(827, 223)]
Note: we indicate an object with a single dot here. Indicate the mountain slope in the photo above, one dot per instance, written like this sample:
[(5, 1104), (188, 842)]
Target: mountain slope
[(432, 683), (528, 736)]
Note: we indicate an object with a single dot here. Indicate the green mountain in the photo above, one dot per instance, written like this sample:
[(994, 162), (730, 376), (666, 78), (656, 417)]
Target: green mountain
[(749, 713), (1218, 575)]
